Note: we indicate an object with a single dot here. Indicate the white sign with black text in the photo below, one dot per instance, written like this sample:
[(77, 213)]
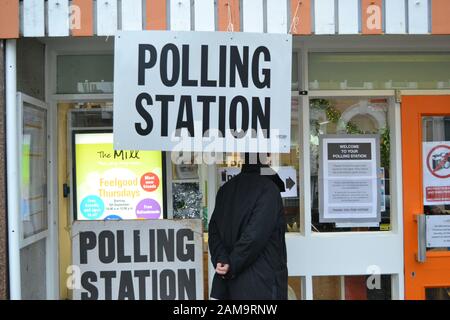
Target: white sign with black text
[(438, 231), (137, 260), (202, 91), (349, 181), (287, 174)]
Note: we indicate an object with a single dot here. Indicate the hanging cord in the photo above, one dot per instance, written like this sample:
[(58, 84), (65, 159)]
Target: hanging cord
[(295, 19), (230, 27)]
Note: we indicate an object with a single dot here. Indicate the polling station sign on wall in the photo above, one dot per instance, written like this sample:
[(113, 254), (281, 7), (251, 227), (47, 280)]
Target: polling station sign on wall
[(137, 260), (202, 91), (349, 182), (436, 173)]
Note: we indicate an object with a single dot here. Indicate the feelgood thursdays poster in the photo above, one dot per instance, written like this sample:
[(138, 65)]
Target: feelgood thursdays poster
[(116, 185)]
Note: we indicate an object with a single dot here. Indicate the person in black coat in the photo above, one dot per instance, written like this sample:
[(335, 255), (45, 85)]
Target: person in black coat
[(247, 237)]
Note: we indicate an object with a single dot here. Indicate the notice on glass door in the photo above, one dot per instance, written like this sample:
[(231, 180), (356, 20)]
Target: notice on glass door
[(436, 173), (438, 231), (349, 181)]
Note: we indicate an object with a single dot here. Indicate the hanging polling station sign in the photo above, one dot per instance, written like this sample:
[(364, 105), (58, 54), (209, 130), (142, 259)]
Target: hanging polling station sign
[(202, 91), (436, 173), (349, 180), (137, 260)]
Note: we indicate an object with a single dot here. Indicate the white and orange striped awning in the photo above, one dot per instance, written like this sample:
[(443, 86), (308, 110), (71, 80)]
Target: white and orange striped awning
[(63, 18)]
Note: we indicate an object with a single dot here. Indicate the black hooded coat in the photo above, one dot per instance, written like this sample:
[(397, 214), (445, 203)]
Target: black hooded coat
[(247, 231)]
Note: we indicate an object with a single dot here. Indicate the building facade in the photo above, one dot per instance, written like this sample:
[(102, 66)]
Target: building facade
[(359, 67)]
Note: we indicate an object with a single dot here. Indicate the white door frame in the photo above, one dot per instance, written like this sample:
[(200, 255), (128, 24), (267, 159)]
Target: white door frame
[(12, 173), (48, 234), (16, 242)]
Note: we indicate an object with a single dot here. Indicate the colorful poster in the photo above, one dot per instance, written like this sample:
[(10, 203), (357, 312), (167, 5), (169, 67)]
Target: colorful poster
[(116, 185), (436, 173), (26, 177)]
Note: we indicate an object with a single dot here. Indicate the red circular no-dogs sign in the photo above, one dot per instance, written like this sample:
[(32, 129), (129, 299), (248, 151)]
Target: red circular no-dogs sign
[(438, 161)]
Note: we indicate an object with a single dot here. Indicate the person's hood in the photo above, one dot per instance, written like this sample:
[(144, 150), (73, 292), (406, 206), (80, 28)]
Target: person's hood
[(264, 170)]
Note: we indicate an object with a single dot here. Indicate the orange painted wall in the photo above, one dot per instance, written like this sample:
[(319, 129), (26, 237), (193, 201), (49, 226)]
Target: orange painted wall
[(368, 16), (86, 20), (225, 8), (440, 17), (156, 15), (304, 16), (9, 19)]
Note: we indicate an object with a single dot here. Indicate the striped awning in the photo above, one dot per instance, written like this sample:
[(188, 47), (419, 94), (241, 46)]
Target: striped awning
[(64, 18)]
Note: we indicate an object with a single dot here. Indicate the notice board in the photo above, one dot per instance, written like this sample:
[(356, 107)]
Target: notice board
[(349, 181)]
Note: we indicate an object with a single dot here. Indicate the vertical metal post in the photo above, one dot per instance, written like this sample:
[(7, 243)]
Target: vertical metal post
[(13, 174)]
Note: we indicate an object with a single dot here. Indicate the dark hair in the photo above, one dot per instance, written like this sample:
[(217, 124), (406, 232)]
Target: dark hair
[(256, 158)]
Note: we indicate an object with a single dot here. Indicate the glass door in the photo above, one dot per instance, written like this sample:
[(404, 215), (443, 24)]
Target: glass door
[(426, 190), (34, 204)]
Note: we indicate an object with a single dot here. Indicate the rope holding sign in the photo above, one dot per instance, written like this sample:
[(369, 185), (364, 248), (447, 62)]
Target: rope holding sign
[(295, 19), (230, 27)]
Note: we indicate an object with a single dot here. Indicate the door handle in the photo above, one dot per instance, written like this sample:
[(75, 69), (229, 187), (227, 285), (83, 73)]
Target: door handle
[(421, 238)]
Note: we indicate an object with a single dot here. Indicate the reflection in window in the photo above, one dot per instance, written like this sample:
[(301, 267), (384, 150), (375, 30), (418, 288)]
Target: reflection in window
[(34, 171), (295, 288), (374, 287), (350, 116), (232, 163), (377, 71), (437, 293), (85, 73)]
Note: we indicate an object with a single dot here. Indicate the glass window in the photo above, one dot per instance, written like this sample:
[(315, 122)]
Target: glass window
[(187, 200), (375, 71), (188, 188), (291, 201), (295, 287), (33, 268), (288, 162), (295, 76), (34, 171), (437, 293), (85, 74), (372, 287), (350, 116)]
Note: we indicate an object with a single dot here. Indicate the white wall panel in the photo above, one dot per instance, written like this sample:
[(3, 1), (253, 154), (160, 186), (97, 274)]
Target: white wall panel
[(252, 16), (106, 17), (58, 18), (324, 20), (131, 14), (418, 16), (348, 16), (33, 18), (277, 16), (395, 16), (204, 12), (180, 15)]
